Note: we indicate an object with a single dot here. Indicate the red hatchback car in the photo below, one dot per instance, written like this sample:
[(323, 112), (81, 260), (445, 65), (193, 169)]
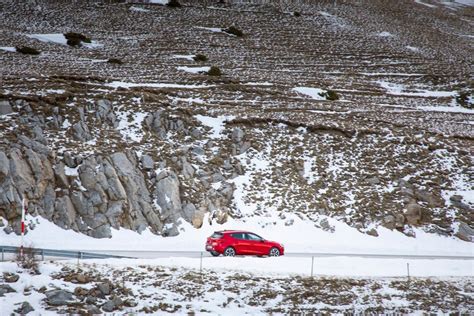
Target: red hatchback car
[(238, 242)]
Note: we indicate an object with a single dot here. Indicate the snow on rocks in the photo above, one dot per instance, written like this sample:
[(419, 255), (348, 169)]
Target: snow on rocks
[(194, 70), (59, 38)]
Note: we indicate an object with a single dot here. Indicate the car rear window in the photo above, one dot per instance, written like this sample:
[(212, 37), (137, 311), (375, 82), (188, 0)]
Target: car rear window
[(217, 235)]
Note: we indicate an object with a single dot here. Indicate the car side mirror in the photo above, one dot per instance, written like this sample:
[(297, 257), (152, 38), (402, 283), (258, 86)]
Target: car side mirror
[(262, 240)]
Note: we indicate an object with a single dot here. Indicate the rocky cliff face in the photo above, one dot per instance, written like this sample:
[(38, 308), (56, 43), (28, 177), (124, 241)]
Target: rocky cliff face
[(147, 145)]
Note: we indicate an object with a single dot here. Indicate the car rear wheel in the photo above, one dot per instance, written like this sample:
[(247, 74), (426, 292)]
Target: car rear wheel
[(215, 253), (274, 252), (229, 252)]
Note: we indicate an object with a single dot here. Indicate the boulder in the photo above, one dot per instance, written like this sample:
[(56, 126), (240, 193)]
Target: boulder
[(65, 214), (24, 309), (104, 287), (4, 166), (389, 221), (432, 199), (58, 297), (112, 305), (413, 213), (465, 232), (5, 288), (5, 107), (147, 162), (237, 135), (167, 194), (10, 277), (373, 232), (81, 132)]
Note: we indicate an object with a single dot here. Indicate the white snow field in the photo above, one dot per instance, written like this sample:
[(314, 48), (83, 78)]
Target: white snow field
[(299, 237)]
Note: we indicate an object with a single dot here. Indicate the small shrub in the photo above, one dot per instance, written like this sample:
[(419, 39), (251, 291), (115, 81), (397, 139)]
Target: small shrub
[(27, 260), (200, 57), (465, 99), (27, 50), (296, 13), (115, 61), (174, 4), (214, 71), (234, 31)]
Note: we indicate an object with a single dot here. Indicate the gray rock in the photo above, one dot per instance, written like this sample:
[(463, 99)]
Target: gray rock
[(373, 232), (5, 107), (413, 213), (20, 172), (39, 136), (5, 288), (188, 170), (101, 232), (4, 166), (112, 305), (104, 288), (65, 213), (81, 131), (92, 309), (188, 212), (69, 160), (197, 150), (324, 223), (389, 221), (8, 230), (373, 180), (60, 175), (114, 213), (58, 297), (115, 189), (167, 194), (24, 309), (431, 199), (147, 162), (237, 135), (104, 107), (465, 232), (245, 146)]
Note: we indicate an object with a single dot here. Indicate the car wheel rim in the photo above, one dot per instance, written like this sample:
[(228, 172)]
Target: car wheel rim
[(274, 253), (230, 252)]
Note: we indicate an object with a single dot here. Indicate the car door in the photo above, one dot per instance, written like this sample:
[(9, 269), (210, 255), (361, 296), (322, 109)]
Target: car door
[(240, 244), (257, 244)]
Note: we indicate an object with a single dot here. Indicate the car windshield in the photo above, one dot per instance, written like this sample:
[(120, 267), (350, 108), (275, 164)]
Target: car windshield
[(253, 237), (217, 235)]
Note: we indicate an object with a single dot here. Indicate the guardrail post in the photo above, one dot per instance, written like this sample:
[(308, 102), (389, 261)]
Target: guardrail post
[(42, 255), (200, 265), (3, 254), (408, 270), (312, 265)]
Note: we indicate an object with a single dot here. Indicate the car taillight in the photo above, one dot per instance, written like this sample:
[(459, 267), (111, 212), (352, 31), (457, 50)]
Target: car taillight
[(214, 244)]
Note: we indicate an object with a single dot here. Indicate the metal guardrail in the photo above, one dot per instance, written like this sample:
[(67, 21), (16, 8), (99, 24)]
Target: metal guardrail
[(58, 253)]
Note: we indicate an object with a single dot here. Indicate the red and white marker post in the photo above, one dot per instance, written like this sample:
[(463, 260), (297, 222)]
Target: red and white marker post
[(24, 209)]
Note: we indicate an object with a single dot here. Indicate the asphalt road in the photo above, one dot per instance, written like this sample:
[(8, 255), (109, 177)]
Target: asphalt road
[(197, 254)]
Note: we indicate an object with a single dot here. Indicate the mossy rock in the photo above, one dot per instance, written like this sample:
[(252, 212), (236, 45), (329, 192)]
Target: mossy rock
[(28, 50), (174, 4), (74, 42), (74, 37), (330, 95), (200, 57), (214, 71), (234, 31), (115, 61)]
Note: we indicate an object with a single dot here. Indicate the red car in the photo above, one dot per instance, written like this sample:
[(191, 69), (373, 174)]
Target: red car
[(238, 242)]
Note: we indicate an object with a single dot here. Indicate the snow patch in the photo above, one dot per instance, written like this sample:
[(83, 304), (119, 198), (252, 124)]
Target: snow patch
[(194, 70), (122, 84), (217, 124)]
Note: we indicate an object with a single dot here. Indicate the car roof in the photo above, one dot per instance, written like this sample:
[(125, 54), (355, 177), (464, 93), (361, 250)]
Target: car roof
[(232, 231)]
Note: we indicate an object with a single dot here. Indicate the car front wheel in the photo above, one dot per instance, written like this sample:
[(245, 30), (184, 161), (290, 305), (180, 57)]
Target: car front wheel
[(214, 253), (229, 252), (274, 252)]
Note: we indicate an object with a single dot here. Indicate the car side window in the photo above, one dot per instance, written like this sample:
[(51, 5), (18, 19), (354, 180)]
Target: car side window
[(238, 235), (253, 237)]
